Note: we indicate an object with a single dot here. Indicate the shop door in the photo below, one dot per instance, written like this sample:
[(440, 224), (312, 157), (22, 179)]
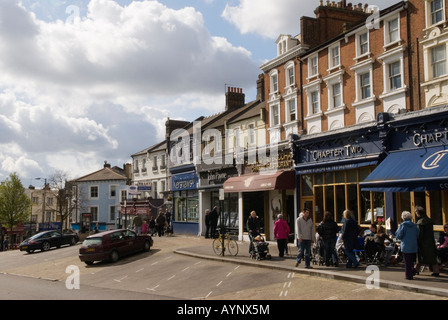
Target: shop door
[(307, 203)]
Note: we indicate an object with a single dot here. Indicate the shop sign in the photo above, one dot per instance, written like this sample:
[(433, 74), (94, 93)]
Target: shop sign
[(217, 177), (185, 182), (279, 161), (421, 139), (341, 152)]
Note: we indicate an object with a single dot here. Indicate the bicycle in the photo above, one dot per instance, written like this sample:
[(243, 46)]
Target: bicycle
[(230, 244)]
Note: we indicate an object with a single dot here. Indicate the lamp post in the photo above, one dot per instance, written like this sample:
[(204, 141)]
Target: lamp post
[(43, 201)]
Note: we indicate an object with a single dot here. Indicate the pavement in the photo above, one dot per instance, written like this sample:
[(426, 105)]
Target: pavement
[(391, 277)]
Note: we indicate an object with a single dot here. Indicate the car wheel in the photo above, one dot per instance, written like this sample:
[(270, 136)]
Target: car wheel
[(146, 246), (45, 246), (89, 263), (114, 256)]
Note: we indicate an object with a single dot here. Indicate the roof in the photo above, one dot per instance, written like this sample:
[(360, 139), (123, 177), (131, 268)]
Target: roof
[(103, 175)]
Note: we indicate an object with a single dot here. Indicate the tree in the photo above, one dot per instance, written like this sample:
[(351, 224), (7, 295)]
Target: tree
[(15, 206), (58, 181)]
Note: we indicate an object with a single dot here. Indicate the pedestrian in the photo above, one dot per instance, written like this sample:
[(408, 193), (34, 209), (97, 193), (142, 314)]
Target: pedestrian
[(408, 233), (281, 233), (328, 230), (305, 236), (349, 236), (160, 223), (5, 245), (145, 227), (213, 222), (427, 250), (168, 216), (442, 248), (253, 226), (152, 225), (207, 223)]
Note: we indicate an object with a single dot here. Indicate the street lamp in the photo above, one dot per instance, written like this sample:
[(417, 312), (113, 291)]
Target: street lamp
[(43, 202)]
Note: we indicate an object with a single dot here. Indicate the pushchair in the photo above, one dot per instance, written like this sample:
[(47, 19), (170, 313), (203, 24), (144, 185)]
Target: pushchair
[(318, 251), (260, 249)]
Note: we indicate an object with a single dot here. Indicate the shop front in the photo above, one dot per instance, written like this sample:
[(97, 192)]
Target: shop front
[(268, 188), (415, 171), (330, 167), (185, 201), (211, 180)]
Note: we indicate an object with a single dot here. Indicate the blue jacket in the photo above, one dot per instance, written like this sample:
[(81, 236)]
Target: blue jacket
[(408, 234)]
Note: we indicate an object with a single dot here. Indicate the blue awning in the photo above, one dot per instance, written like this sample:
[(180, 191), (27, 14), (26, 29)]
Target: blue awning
[(412, 170)]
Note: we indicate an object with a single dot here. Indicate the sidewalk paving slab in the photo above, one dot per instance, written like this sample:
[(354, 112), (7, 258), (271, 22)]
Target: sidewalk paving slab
[(391, 277)]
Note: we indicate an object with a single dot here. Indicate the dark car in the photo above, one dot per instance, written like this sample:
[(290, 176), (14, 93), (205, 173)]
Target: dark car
[(111, 245), (48, 239)]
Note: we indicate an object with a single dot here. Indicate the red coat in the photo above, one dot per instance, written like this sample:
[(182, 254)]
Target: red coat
[(281, 229)]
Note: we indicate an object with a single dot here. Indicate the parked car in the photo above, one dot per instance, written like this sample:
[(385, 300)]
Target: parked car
[(48, 239), (111, 245), (70, 231)]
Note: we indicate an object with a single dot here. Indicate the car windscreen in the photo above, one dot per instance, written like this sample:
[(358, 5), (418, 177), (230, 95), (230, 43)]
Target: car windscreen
[(92, 241)]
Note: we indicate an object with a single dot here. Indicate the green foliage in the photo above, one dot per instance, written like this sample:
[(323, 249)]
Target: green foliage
[(15, 206)]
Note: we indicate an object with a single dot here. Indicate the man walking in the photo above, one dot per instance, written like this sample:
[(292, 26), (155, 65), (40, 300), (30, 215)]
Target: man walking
[(305, 236)]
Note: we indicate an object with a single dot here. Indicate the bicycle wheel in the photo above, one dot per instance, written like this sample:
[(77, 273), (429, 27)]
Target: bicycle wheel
[(232, 246), (217, 247)]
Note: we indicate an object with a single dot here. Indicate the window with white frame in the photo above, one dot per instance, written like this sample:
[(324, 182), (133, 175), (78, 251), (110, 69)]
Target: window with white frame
[(292, 110), (365, 85), (315, 102), (334, 56), (438, 61), (334, 83), (94, 212), (437, 11), (363, 43), (395, 75), (112, 191), (274, 81), (236, 138), (392, 30), (252, 134), (275, 115), (94, 192), (313, 67), (112, 210), (337, 95), (290, 74)]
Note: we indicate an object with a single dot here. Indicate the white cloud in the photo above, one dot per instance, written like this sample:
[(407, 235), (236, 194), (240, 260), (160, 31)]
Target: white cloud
[(269, 19), (101, 87)]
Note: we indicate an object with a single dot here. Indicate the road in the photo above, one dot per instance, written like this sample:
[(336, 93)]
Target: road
[(164, 275)]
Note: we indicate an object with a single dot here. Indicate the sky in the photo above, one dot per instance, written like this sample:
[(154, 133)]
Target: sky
[(88, 81)]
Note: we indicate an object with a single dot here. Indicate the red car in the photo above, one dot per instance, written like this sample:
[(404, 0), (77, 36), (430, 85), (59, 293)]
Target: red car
[(112, 245)]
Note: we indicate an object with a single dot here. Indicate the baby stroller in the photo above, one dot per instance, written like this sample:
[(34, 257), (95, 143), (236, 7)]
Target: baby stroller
[(260, 248), (318, 251)]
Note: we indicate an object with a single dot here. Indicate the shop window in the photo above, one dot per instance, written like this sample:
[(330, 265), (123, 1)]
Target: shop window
[(340, 200), (436, 207), (329, 200), (332, 193), (307, 185), (319, 205)]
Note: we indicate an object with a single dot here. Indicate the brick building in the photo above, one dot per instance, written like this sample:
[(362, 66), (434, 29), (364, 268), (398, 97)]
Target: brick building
[(349, 91)]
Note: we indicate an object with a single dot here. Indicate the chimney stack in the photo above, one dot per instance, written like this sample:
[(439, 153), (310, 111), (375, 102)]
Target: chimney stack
[(235, 98)]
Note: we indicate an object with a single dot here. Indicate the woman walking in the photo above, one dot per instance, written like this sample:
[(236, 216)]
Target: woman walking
[(408, 234), (328, 230), (281, 233)]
